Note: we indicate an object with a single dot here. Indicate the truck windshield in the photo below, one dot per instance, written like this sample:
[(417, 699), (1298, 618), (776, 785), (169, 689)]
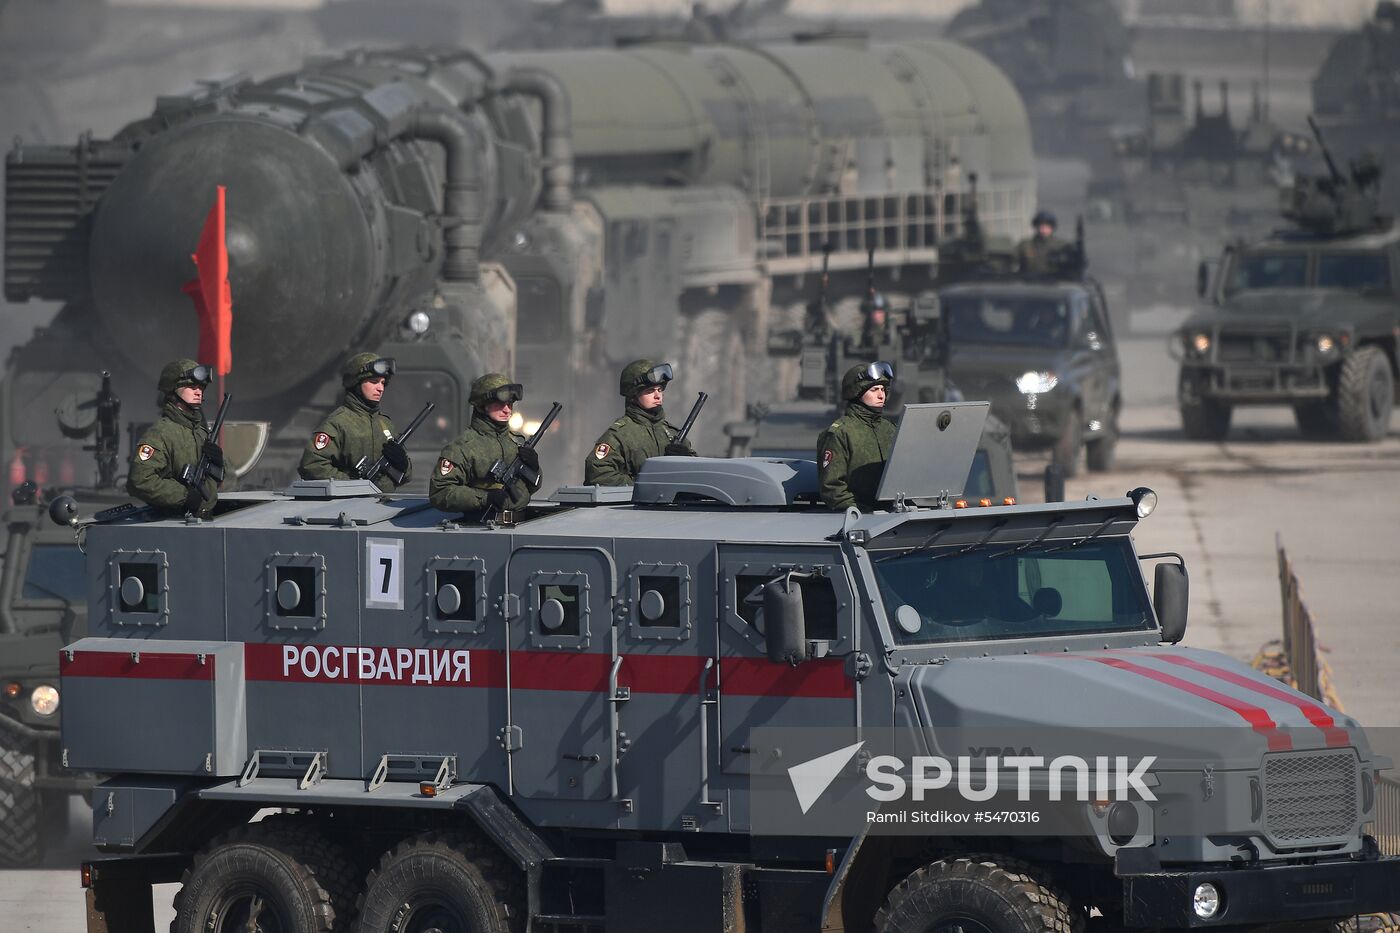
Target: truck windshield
[(1008, 320), (1361, 272), (990, 593), (1268, 270)]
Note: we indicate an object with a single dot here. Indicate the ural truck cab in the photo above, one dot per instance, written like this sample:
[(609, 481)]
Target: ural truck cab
[(1307, 317), (566, 722)]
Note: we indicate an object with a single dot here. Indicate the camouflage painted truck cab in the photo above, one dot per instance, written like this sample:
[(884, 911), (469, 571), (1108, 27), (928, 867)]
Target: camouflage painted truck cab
[(565, 722), (1307, 317)]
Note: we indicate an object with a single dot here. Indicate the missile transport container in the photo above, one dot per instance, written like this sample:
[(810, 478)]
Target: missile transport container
[(330, 709)]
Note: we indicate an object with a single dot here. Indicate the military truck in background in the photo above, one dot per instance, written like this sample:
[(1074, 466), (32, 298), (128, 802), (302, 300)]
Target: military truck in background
[(559, 722), (1307, 317)]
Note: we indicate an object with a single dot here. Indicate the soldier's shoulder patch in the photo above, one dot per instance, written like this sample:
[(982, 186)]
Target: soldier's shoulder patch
[(601, 451), (445, 466), (145, 452), (389, 434), (826, 458), (321, 441)]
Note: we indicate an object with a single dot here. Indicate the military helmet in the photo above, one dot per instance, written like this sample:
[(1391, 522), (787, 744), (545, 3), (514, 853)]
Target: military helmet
[(364, 366), (639, 374), (495, 387), (179, 373), (859, 379), (1043, 216)]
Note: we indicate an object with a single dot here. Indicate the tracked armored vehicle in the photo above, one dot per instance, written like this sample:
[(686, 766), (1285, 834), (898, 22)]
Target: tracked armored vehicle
[(1308, 317), (567, 721)]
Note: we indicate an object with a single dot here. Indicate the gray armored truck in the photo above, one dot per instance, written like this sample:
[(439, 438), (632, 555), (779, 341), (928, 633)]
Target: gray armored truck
[(1307, 317), (562, 721)]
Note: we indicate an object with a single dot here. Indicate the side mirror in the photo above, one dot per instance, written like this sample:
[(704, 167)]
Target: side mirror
[(1202, 279), (1170, 587), (784, 625), (1054, 483)]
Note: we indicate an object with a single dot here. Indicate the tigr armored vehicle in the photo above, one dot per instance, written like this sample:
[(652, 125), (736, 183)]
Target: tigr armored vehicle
[(558, 723), (550, 214), (1307, 317)]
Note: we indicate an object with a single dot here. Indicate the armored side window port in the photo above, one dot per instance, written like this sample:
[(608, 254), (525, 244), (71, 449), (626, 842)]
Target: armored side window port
[(559, 605), (660, 602), (456, 595), (296, 591), (140, 587)]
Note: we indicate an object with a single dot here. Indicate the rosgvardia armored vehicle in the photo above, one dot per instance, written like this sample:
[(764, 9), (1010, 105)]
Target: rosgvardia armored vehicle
[(1308, 317), (564, 721), (547, 214)]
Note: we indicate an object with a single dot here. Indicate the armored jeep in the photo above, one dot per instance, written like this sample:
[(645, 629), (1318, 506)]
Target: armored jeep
[(561, 721), (1307, 317)]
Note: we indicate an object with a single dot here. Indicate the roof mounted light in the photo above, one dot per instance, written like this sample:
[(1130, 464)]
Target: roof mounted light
[(1144, 499)]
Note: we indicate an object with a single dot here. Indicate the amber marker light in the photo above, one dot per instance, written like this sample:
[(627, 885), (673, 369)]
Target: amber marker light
[(984, 502), (427, 789), (12, 689), (960, 503), (1009, 500), (87, 875), (831, 861)]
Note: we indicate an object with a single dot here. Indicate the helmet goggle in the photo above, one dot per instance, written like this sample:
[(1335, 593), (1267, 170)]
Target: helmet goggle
[(384, 366), (879, 370), (506, 393), (658, 375), (200, 375)]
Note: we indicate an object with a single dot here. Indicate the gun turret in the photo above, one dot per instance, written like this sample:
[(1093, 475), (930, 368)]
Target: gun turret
[(1337, 204)]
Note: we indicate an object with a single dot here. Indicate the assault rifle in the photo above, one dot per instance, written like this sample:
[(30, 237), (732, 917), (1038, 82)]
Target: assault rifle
[(382, 465), (109, 433), (690, 419), (507, 473), (194, 476)]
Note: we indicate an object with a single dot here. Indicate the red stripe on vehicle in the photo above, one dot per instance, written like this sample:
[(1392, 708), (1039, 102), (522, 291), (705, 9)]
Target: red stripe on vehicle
[(151, 666), (1316, 713), (826, 678), (1256, 716)]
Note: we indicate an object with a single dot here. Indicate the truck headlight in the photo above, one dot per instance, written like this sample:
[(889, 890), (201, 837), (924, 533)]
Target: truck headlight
[(44, 700), (1325, 344), (1034, 383), (1199, 343), (1205, 901)]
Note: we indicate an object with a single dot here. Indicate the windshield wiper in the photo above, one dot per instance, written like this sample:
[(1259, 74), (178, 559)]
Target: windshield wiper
[(1049, 527), (927, 543), (1086, 539)]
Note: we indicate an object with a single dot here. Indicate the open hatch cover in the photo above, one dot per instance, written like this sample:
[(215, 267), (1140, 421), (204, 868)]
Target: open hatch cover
[(933, 450)]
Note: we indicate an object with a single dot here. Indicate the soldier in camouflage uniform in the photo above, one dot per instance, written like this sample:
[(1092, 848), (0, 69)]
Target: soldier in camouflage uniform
[(641, 432), (851, 454), (174, 442), (462, 481), (357, 430), (1044, 253)]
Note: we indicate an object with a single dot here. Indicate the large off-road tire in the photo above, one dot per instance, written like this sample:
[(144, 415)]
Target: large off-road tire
[(1365, 396), (1205, 420), (280, 878), (441, 883), (20, 842), (977, 894), (1316, 420), (1100, 452), (1070, 443)]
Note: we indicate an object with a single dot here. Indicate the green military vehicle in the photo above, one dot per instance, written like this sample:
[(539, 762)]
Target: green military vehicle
[(1308, 317)]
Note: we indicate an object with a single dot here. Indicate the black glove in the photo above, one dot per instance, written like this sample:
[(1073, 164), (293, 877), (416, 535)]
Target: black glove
[(213, 454), (528, 458), (678, 449), (194, 500), (498, 500), (396, 456)]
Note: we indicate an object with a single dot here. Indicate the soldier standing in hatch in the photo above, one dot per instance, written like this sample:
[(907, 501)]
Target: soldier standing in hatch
[(357, 430), (851, 454), (640, 433), (462, 480), (175, 441), (1042, 253)]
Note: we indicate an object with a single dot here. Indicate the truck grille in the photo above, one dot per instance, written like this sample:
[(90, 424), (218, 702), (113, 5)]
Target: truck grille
[(1256, 348), (1310, 798)]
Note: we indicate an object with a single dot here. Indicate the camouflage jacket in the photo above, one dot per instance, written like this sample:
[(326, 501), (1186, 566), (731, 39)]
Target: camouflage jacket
[(626, 445), (851, 457), (354, 431), (1036, 256), (461, 479), (162, 454)]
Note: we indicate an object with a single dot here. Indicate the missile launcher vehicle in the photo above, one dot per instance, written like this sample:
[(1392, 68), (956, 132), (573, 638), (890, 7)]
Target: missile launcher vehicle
[(592, 715)]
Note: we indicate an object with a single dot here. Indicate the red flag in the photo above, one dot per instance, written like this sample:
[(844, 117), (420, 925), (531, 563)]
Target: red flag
[(213, 300)]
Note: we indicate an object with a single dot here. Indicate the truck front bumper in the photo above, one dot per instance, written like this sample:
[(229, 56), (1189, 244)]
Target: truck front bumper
[(1252, 383), (1259, 895)]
